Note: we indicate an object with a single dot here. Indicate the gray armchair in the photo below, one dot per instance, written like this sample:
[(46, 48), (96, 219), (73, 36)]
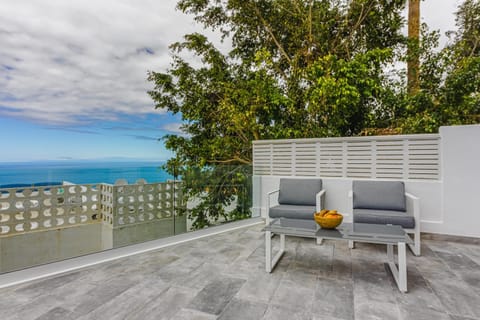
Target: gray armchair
[(297, 199), (386, 202)]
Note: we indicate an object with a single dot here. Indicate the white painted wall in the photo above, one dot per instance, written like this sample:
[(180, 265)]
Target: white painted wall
[(450, 205), (461, 180)]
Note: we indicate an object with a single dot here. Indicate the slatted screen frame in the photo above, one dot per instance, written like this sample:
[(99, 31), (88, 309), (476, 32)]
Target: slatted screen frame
[(412, 157)]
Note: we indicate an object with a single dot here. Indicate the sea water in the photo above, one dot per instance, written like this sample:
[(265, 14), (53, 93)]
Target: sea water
[(81, 172)]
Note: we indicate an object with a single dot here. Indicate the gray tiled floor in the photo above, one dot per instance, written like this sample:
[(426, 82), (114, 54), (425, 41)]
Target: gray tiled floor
[(223, 277)]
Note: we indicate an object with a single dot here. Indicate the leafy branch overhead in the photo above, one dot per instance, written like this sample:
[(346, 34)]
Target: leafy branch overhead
[(295, 69), (298, 69)]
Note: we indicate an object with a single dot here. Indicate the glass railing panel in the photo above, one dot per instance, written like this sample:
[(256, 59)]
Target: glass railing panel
[(217, 195), (41, 223)]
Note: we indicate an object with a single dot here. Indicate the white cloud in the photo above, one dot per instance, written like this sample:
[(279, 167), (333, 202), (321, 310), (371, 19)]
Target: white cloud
[(61, 61), (67, 61), (173, 127)]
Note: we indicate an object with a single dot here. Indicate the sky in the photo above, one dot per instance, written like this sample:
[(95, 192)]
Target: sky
[(73, 75)]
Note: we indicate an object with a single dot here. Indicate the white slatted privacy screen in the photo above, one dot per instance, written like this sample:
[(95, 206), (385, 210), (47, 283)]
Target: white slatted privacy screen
[(381, 157)]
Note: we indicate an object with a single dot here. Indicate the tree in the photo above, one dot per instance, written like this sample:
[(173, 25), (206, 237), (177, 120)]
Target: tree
[(449, 79), (413, 67), (297, 68), (467, 37), (460, 97)]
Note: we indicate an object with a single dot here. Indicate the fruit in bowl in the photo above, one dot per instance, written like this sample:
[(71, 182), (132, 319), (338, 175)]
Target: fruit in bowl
[(328, 219)]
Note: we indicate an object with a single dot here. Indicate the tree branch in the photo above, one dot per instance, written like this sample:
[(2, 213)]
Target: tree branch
[(270, 32), (235, 159)]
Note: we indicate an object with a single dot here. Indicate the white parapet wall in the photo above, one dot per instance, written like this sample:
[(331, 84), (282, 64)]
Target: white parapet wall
[(461, 180), (441, 169)]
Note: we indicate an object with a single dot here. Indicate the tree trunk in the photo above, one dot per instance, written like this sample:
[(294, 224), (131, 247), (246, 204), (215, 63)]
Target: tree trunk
[(413, 63)]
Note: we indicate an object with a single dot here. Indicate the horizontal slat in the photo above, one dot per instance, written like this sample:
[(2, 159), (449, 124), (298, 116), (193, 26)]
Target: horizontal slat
[(399, 157)]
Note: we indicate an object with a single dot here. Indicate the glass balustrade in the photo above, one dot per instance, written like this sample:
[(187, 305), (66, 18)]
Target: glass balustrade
[(47, 222)]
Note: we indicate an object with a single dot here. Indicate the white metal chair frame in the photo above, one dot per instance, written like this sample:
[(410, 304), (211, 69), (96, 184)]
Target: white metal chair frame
[(319, 200), (413, 208)]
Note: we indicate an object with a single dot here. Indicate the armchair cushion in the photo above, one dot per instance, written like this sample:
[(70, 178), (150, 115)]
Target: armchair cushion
[(300, 192), (400, 218), (379, 195), (292, 211)]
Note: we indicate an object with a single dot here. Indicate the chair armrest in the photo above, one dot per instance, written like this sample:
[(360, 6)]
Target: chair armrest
[(320, 200), (350, 196), (413, 206), (269, 194), (272, 192)]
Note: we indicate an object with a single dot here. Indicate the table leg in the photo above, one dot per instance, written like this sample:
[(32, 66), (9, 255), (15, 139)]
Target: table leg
[(269, 262), (268, 251), (399, 273), (402, 266)]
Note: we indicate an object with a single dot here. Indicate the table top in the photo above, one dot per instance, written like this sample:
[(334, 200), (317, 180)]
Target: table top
[(361, 232)]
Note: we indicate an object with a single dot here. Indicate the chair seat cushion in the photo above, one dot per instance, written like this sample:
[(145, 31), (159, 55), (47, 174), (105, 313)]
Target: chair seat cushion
[(292, 211), (400, 218)]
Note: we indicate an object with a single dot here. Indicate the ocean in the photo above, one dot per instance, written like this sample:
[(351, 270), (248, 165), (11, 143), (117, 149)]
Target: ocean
[(81, 172)]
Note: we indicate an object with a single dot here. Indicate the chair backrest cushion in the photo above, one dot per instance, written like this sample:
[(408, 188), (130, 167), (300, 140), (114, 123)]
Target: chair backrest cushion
[(300, 192), (379, 195)]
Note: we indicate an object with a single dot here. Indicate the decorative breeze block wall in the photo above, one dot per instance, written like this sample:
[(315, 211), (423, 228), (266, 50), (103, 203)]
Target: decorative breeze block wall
[(43, 208), (24, 210)]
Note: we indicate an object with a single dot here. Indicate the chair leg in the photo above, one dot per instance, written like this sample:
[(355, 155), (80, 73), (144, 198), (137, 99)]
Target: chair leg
[(415, 247), (351, 244)]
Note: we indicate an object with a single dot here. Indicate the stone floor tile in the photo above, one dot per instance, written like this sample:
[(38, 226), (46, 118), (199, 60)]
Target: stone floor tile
[(374, 310), (456, 296), (239, 309), (260, 286), (216, 295), (36, 288), (164, 306), (126, 304), (315, 257), (101, 294), (418, 313), (292, 295), (420, 295), (189, 314), (275, 312), (201, 276), (455, 317), (301, 276), (57, 313), (374, 286), (324, 317), (334, 298)]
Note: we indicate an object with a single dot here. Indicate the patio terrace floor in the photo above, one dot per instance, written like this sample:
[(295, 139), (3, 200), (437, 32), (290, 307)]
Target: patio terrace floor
[(223, 277)]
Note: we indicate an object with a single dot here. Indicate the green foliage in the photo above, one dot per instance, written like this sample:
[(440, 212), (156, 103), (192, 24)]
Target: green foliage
[(296, 69), (467, 37), (216, 187), (449, 79), (300, 69), (344, 93)]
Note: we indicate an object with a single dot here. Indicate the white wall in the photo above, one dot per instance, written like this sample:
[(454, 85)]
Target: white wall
[(450, 205), (461, 180)]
